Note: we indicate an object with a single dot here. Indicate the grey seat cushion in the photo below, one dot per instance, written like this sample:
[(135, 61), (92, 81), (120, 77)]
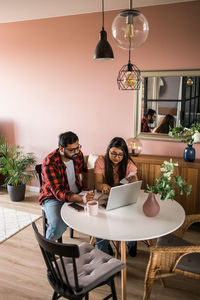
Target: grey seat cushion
[(93, 267), (171, 240), (190, 263)]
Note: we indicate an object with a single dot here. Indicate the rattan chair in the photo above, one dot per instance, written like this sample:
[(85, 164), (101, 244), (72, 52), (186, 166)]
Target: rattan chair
[(38, 169), (73, 271), (173, 255)]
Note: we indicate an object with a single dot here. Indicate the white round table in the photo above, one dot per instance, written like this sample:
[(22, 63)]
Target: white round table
[(126, 224)]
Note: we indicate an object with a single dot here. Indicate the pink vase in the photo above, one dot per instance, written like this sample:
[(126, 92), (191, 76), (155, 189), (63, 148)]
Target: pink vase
[(151, 207)]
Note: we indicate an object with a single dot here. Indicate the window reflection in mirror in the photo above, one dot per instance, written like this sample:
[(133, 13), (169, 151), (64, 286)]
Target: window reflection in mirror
[(173, 95)]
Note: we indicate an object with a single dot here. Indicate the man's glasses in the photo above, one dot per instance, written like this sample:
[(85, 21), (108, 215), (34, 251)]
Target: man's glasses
[(120, 155), (73, 150)]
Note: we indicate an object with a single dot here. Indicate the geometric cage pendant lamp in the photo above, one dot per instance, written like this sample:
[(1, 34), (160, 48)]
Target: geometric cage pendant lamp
[(103, 49), (129, 76)]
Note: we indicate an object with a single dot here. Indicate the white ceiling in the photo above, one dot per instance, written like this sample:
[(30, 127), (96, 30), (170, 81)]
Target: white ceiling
[(21, 10)]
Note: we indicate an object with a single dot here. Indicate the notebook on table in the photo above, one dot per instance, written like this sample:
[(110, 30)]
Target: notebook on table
[(121, 195)]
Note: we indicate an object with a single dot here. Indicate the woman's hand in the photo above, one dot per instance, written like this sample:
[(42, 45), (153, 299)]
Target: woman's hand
[(105, 189), (132, 178)]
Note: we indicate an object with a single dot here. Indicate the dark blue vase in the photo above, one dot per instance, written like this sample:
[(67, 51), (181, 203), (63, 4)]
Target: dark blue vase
[(189, 153)]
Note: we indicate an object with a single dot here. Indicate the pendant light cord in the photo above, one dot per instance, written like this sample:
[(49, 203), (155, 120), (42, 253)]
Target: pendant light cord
[(103, 14), (129, 52)]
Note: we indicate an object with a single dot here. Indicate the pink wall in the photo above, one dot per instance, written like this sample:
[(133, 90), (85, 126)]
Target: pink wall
[(49, 82)]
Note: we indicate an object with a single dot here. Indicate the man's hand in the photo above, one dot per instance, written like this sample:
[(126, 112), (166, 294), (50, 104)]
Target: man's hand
[(76, 198), (105, 189), (89, 196), (79, 198)]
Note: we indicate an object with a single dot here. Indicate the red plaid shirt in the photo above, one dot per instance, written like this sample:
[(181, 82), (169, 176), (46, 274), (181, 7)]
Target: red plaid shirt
[(145, 126), (54, 177)]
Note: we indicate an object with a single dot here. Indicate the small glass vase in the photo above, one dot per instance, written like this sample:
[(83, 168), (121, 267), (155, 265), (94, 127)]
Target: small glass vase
[(189, 153), (151, 208)]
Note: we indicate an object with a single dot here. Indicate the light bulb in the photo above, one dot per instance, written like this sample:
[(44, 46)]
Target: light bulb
[(132, 145), (130, 79), (190, 81), (129, 34), (130, 25)]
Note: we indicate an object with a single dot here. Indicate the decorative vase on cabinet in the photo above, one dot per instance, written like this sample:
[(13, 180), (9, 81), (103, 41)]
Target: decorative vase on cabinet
[(189, 153)]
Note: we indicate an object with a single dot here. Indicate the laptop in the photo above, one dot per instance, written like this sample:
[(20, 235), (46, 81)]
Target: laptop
[(122, 195)]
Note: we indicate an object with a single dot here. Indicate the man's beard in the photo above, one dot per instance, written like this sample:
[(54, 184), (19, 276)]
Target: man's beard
[(151, 121), (70, 157)]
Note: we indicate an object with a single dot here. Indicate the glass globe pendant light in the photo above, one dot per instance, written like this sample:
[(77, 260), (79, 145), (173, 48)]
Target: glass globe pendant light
[(103, 49), (130, 24), (129, 77)]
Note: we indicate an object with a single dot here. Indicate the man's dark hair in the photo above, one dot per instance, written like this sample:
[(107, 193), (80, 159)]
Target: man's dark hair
[(151, 112), (67, 138)]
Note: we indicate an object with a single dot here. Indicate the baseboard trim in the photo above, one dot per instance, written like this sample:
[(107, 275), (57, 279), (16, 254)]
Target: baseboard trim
[(33, 188)]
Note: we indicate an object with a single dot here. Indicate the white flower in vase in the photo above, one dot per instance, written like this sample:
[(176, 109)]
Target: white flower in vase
[(196, 137)]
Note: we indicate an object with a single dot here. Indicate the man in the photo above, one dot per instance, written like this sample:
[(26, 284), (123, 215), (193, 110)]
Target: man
[(150, 117), (61, 171)]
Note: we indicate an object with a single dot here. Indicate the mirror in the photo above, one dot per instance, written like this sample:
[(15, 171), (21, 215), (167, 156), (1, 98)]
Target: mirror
[(172, 94)]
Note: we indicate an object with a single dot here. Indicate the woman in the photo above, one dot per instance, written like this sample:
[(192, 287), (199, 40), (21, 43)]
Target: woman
[(165, 125), (109, 170)]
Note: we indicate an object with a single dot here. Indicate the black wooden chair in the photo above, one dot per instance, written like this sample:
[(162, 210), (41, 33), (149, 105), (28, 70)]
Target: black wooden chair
[(73, 271), (38, 169)]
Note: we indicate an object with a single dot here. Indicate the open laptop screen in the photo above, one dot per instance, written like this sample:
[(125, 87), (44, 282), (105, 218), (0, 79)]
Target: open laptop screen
[(122, 195)]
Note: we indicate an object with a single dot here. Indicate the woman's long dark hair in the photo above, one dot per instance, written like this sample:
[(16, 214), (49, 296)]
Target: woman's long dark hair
[(167, 122), (121, 144)]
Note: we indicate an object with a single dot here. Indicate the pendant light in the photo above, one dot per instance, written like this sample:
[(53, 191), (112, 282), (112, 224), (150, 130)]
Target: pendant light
[(129, 77), (103, 49), (130, 24)]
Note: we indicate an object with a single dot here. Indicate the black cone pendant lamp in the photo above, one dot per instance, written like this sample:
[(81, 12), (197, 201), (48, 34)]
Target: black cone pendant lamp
[(103, 49)]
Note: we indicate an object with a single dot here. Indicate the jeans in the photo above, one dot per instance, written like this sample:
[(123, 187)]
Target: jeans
[(103, 244), (56, 226)]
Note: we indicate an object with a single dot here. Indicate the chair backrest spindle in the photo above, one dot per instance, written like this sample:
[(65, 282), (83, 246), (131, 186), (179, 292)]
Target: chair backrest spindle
[(69, 267), (54, 254)]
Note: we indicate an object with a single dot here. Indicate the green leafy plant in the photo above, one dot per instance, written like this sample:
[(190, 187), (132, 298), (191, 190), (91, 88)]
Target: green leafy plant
[(14, 164), (187, 135), (166, 184)]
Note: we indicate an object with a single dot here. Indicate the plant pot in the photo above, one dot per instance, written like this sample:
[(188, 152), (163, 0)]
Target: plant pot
[(16, 193), (189, 153), (151, 207)]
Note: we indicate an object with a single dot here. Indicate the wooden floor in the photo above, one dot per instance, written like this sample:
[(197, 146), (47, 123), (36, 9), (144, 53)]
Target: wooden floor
[(23, 274)]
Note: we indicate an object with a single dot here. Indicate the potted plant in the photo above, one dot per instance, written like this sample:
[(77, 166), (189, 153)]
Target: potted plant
[(187, 135), (165, 186), (14, 165)]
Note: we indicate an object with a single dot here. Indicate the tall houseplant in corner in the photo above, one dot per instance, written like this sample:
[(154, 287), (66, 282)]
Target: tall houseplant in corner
[(15, 166)]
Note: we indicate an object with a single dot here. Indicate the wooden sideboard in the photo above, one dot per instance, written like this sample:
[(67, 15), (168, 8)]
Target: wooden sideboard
[(149, 168)]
